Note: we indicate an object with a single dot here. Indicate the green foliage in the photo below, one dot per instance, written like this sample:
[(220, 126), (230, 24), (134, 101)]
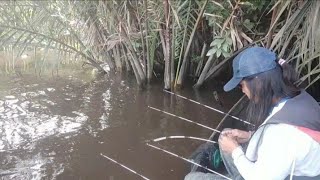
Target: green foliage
[(216, 14), (254, 5), (92, 29), (27, 24), (195, 59), (298, 38), (187, 16), (220, 46), (229, 19), (249, 24)]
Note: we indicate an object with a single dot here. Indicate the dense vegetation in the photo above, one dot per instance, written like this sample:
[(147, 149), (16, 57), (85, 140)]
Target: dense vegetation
[(180, 38)]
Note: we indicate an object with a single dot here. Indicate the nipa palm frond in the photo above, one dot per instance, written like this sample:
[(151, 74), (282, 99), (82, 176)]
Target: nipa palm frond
[(299, 39)]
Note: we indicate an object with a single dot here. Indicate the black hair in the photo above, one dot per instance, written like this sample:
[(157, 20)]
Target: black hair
[(265, 87)]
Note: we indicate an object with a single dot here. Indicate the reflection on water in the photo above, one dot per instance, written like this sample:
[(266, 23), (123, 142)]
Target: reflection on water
[(26, 121), (57, 127), (27, 118)]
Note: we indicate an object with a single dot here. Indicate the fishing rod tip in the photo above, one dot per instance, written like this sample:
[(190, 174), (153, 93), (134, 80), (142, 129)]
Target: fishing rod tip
[(147, 141)]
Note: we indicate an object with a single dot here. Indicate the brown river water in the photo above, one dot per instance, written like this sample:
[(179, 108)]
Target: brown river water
[(58, 127)]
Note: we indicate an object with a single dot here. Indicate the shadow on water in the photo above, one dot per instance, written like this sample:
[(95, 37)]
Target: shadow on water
[(56, 128)]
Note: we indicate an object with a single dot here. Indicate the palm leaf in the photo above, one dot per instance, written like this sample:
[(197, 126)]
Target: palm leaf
[(35, 21), (299, 39)]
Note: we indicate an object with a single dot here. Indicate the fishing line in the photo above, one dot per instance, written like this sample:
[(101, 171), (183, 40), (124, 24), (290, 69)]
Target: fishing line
[(219, 111), (185, 159), (185, 119), (133, 171)]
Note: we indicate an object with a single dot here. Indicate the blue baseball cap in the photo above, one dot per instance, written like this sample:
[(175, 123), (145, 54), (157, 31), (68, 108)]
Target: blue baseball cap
[(251, 61)]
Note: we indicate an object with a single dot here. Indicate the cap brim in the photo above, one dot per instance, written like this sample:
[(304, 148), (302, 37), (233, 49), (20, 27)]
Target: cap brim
[(232, 84)]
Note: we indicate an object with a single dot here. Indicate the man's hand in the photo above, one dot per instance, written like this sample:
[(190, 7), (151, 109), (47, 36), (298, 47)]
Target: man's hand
[(227, 144), (238, 135)]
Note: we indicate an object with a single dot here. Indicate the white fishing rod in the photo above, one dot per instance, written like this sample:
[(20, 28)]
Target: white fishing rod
[(181, 137), (217, 110), (133, 171), (185, 119), (188, 160)]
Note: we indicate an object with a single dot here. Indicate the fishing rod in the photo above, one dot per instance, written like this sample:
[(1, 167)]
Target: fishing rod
[(219, 111), (133, 171), (180, 137), (185, 159), (185, 119)]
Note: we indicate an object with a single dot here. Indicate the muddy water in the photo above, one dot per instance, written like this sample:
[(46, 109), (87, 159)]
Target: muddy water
[(57, 127)]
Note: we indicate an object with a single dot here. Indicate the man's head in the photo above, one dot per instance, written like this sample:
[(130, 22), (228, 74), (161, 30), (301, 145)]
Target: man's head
[(250, 62), (257, 71)]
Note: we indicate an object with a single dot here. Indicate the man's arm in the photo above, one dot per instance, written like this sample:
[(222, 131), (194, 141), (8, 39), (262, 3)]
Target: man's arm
[(275, 156)]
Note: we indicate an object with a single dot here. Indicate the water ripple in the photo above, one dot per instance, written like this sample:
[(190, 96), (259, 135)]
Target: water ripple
[(26, 120)]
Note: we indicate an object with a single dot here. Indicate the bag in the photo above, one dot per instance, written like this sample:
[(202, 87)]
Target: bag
[(207, 155)]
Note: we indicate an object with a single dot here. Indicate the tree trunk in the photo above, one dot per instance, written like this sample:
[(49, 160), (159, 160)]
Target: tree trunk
[(142, 44), (274, 14), (204, 72), (116, 56), (136, 65), (134, 61), (110, 63), (128, 68), (166, 45), (172, 73), (135, 71), (149, 66), (108, 58), (200, 64)]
